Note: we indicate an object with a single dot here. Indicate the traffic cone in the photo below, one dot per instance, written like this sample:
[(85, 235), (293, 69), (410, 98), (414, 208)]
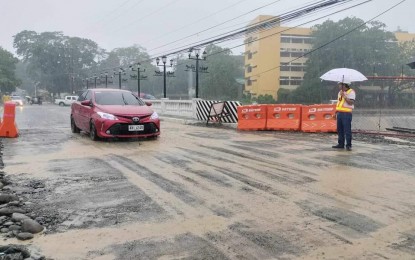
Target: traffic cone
[(8, 126)]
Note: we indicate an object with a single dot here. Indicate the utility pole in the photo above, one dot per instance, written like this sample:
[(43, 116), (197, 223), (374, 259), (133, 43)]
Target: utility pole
[(164, 60), (197, 58)]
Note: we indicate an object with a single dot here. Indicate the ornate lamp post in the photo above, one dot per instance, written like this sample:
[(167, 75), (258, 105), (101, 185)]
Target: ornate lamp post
[(95, 80), (197, 58), (139, 78), (119, 76), (164, 60), (106, 78)]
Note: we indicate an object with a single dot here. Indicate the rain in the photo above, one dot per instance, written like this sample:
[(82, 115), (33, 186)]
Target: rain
[(204, 130)]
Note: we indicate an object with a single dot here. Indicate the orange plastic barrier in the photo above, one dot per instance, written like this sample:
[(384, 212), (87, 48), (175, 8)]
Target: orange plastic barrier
[(8, 126), (284, 117), (319, 118), (253, 117)]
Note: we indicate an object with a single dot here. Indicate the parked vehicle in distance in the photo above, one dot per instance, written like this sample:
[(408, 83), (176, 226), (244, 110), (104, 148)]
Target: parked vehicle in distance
[(66, 101), (18, 100), (34, 100), (108, 113)]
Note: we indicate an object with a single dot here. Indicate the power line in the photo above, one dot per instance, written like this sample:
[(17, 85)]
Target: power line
[(335, 39), (142, 17), (288, 29), (216, 25), (261, 25), (192, 23)]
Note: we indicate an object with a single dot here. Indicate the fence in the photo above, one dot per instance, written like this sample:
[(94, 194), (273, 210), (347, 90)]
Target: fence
[(381, 119)]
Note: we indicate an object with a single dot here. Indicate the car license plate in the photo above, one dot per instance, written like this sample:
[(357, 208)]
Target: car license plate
[(135, 127)]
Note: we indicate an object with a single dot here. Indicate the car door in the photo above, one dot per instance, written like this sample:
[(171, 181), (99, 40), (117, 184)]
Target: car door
[(76, 110), (85, 113)]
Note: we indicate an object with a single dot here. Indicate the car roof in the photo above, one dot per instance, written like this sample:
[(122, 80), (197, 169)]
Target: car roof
[(108, 90)]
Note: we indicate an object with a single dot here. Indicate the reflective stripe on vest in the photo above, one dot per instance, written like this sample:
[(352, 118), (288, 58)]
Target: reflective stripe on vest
[(342, 104)]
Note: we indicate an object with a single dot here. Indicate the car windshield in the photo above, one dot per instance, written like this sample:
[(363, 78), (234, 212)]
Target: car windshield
[(117, 98)]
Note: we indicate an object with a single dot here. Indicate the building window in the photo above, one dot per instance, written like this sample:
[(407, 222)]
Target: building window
[(284, 81), (296, 81), (249, 69), (284, 67), (249, 82), (249, 55), (296, 68), (285, 54), (285, 39), (308, 41), (296, 54), (297, 40)]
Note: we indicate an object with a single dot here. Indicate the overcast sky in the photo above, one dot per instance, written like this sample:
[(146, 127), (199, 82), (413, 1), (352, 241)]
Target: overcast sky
[(160, 26)]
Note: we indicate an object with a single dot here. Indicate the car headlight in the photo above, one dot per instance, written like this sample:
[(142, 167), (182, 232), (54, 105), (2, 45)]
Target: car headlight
[(107, 116), (154, 116)]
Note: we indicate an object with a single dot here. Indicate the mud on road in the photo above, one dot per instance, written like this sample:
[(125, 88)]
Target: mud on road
[(211, 193)]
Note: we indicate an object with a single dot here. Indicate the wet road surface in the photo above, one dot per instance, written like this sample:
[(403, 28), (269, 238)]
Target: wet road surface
[(211, 193)]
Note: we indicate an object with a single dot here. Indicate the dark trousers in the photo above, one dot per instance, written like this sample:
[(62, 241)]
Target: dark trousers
[(344, 128)]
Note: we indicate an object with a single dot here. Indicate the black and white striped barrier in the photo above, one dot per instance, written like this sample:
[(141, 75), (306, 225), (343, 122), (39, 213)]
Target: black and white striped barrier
[(203, 108)]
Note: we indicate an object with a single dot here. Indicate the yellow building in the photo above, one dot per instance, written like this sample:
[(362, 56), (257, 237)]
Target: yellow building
[(268, 56)]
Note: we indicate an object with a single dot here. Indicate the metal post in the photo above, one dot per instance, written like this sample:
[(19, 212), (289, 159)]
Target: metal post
[(106, 80), (72, 83), (138, 80), (87, 84), (197, 77), (95, 78), (119, 79), (164, 74)]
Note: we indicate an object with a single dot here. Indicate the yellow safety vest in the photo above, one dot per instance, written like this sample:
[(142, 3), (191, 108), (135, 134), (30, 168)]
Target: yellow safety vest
[(342, 105)]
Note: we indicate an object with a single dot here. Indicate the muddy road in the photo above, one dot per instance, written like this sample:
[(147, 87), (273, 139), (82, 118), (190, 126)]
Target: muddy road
[(210, 193)]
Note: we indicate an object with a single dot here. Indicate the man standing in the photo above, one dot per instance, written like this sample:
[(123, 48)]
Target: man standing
[(344, 108)]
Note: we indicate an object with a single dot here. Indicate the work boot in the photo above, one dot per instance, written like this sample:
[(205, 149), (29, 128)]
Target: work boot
[(338, 146), (348, 148)]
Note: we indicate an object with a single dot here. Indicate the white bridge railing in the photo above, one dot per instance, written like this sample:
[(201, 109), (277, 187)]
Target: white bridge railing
[(181, 108)]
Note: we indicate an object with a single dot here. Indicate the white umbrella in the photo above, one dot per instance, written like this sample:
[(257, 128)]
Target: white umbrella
[(344, 75)]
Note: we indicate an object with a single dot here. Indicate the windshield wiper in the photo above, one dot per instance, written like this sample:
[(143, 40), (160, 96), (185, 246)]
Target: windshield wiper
[(123, 99)]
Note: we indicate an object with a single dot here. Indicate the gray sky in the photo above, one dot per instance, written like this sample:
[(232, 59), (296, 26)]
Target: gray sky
[(152, 24)]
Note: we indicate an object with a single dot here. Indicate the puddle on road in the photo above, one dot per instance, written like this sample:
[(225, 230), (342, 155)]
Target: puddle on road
[(88, 192)]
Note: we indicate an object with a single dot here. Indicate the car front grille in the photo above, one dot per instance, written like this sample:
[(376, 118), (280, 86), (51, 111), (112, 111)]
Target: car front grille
[(122, 129)]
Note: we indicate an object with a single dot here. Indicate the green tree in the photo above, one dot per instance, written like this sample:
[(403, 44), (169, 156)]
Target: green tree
[(8, 80), (366, 49), (57, 62), (224, 69), (126, 58)]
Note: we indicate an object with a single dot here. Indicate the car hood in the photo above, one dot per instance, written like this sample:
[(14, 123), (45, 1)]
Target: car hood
[(126, 110)]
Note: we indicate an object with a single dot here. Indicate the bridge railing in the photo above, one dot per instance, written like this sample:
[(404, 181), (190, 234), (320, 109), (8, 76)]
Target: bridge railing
[(181, 108)]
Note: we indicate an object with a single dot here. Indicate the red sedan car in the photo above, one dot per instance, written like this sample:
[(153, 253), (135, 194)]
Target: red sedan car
[(108, 113)]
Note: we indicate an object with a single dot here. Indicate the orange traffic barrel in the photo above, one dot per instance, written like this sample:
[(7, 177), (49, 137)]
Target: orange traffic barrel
[(8, 126), (319, 118), (252, 117), (284, 117)]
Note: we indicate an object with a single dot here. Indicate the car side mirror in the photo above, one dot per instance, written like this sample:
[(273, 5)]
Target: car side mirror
[(148, 103), (86, 103)]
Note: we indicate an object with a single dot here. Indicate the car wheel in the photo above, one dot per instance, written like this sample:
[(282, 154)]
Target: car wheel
[(93, 132), (61, 104), (74, 128)]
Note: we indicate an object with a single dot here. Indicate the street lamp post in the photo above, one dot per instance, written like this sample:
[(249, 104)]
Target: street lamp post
[(138, 77), (95, 79), (119, 76), (164, 60), (197, 58), (106, 79)]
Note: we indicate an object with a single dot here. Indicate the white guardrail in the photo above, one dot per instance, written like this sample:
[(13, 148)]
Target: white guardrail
[(181, 108)]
